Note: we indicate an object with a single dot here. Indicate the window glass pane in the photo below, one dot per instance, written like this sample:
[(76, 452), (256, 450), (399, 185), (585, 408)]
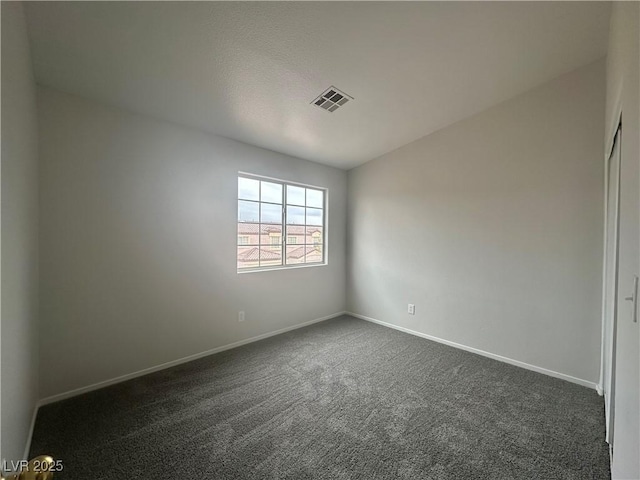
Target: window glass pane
[(270, 256), (313, 253), (248, 257), (268, 232), (314, 236), (295, 195), (270, 213), (248, 211), (295, 254), (250, 231), (315, 198), (271, 192), (296, 233), (248, 189), (275, 239), (295, 215), (314, 216)]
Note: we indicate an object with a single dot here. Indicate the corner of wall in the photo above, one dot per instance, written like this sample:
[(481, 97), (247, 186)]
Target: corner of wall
[(20, 281)]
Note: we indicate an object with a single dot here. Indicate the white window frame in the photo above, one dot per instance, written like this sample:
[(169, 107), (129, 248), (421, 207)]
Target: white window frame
[(284, 242)]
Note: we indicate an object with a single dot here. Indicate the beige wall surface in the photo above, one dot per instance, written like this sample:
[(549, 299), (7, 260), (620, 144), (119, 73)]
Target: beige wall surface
[(19, 345), (492, 227), (138, 244)]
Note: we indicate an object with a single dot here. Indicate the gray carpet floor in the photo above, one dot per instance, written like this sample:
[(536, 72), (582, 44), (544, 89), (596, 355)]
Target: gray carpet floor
[(342, 399)]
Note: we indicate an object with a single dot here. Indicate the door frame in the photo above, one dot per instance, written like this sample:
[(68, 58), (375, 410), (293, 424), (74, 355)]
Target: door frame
[(609, 390)]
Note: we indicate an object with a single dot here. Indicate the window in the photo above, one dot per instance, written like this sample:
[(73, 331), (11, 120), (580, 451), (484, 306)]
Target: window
[(280, 224)]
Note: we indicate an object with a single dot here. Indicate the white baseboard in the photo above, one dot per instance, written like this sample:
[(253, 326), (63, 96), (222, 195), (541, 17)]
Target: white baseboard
[(517, 363), (140, 373)]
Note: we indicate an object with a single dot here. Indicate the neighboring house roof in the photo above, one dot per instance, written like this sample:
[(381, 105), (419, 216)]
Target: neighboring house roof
[(254, 228), (299, 252), (253, 254), (296, 252)]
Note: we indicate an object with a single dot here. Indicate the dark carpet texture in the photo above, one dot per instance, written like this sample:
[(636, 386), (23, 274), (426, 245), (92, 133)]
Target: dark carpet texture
[(340, 399)]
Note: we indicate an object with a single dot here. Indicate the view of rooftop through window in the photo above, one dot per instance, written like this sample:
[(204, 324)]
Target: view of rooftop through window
[(279, 224)]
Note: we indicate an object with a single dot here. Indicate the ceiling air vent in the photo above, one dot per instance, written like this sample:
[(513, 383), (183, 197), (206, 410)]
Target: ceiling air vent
[(332, 99)]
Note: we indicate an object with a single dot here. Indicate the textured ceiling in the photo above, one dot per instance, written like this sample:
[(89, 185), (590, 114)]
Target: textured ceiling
[(249, 71)]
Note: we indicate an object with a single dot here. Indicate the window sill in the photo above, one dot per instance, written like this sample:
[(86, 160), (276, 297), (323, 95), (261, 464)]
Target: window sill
[(272, 269)]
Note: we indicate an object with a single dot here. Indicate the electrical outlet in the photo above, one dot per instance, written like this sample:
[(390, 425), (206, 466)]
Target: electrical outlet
[(241, 316), (411, 309)]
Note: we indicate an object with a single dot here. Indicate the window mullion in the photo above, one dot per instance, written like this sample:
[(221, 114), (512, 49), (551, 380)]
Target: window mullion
[(284, 224), (259, 224)]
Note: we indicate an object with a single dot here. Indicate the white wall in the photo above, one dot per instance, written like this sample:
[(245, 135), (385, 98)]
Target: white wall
[(623, 96), (492, 227), (138, 244), (19, 236)]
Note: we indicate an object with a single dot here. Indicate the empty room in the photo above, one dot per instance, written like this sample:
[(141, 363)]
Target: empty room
[(320, 240)]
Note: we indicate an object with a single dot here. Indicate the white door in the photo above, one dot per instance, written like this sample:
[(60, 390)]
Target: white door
[(626, 398), (611, 284)]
